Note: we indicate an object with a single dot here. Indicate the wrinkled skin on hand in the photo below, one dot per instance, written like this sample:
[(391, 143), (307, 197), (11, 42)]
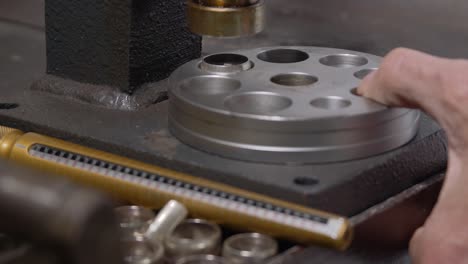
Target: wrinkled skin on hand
[(439, 87)]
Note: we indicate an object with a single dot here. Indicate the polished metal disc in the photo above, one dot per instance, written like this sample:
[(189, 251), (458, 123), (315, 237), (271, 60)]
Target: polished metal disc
[(284, 105)]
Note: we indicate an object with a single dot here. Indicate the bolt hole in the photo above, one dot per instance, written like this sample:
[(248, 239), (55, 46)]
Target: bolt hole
[(331, 103), (294, 79), (306, 181), (8, 106), (257, 103), (363, 73), (226, 63), (344, 61), (283, 56), (226, 59), (354, 91)]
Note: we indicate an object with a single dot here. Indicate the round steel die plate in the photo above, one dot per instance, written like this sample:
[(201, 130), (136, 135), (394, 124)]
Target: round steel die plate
[(292, 105)]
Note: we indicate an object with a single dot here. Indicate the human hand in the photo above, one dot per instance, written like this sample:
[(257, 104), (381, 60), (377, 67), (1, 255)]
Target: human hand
[(439, 87)]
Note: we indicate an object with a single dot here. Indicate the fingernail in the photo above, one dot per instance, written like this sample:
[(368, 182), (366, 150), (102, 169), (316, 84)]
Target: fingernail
[(359, 91)]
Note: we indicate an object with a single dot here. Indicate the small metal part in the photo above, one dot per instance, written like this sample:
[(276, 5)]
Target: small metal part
[(225, 3), (170, 216), (201, 259), (193, 237), (294, 105), (363, 73), (139, 250), (134, 220), (226, 18), (250, 248)]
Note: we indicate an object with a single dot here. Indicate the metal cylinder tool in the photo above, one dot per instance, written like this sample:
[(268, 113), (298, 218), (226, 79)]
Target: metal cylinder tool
[(226, 18), (170, 216), (284, 105)]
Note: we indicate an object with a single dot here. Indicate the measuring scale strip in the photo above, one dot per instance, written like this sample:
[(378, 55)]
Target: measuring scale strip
[(225, 200)]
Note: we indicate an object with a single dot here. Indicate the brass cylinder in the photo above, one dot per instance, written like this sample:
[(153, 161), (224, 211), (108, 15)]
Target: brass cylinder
[(226, 3), (226, 18)]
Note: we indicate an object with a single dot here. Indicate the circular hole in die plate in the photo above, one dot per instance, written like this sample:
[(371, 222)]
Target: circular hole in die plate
[(331, 103), (257, 103), (226, 59), (344, 61), (226, 63), (354, 91), (306, 181), (363, 73), (210, 85), (283, 56), (294, 79)]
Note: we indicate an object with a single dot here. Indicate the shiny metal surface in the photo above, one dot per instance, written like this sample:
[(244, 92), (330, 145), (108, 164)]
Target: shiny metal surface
[(225, 3), (249, 248), (202, 259), (295, 105), (139, 250), (226, 63), (134, 220), (170, 216), (228, 18), (193, 237)]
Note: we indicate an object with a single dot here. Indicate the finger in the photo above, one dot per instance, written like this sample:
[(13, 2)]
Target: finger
[(406, 78), (415, 245)]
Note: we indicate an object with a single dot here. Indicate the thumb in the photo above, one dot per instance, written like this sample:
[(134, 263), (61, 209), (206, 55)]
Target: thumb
[(415, 245), (406, 78)]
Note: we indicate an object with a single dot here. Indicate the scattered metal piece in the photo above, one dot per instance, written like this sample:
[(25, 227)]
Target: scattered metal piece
[(134, 220), (251, 248), (139, 250), (201, 259), (170, 216), (193, 237)]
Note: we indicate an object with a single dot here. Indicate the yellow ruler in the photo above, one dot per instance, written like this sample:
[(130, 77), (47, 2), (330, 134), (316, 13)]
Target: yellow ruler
[(153, 186)]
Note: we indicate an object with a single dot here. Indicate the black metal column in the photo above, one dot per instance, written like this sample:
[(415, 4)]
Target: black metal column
[(121, 44)]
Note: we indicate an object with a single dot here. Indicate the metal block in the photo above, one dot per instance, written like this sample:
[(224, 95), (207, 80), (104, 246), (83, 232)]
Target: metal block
[(117, 44), (285, 105)]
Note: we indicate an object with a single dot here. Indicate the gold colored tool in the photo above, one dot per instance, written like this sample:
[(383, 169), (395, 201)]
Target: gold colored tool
[(154, 186), (226, 18)]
